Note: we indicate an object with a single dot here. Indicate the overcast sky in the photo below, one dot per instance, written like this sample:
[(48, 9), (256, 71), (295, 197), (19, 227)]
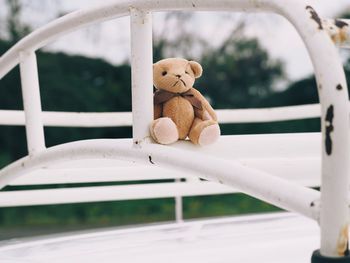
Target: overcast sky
[(110, 40)]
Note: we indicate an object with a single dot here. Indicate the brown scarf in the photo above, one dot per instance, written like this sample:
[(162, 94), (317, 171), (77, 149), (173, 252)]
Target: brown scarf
[(161, 96)]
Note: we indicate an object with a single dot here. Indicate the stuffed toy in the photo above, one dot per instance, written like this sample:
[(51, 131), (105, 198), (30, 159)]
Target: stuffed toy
[(181, 111)]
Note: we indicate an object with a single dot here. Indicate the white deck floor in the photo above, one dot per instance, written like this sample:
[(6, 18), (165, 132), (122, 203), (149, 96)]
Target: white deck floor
[(273, 238)]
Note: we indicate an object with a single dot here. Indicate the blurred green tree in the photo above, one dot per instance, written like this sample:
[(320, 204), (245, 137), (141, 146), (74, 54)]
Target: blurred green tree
[(181, 41), (16, 29), (237, 74), (240, 73)]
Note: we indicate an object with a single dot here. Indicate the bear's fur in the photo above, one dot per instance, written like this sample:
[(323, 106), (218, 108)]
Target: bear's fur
[(181, 111)]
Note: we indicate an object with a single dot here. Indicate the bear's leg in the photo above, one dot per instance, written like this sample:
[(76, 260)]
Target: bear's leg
[(204, 132), (164, 131)]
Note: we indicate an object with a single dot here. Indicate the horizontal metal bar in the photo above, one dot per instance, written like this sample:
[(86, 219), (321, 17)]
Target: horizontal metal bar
[(304, 172), (96, 175), (285, 113), (110, 193), (120, 119), (70, 119)]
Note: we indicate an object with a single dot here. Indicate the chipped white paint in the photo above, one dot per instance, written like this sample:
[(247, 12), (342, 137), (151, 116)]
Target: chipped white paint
[(339, 31), (332, 90)]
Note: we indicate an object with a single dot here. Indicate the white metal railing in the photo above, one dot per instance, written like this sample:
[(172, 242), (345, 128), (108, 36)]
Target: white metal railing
[(305, 172), (120, 119), (332, 89), (108, 193)]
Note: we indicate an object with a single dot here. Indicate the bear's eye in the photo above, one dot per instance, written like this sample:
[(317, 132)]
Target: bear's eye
[(187, 72), (164, 73)]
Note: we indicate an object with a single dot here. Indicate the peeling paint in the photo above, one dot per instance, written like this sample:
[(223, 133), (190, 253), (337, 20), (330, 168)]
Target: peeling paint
[(343, 241), (329, 129), (343, 36), (150, 159), (340, 37), (340, 23), (338, 30), (314, 16)]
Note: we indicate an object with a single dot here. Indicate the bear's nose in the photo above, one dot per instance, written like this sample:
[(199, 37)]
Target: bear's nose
[(178, 76)]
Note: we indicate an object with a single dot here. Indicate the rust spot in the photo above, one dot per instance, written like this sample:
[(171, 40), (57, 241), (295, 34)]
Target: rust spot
[(150, 159), (314, 16), (343, 241), (340, 34), (340, 23), (334, 38), (340, 37), (339, 87), (329, 129)]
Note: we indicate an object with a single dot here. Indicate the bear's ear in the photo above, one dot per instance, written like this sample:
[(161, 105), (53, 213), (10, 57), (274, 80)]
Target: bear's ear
[(196, 68)]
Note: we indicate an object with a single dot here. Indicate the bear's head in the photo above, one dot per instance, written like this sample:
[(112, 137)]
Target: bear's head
[(176, 75)]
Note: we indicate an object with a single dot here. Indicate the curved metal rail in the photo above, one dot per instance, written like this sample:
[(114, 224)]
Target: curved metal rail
[(332, 89), (259, 184)]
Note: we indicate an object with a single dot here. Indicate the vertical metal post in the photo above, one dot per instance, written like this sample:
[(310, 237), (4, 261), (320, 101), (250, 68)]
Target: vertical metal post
[(333, 95), (31, 101), (178, 206), (334, 214), (141, 73)]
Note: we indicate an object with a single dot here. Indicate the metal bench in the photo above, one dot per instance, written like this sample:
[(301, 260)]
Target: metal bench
[(274, 168)]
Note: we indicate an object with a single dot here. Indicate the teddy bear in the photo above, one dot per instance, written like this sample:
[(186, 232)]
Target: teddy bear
[(181, 111)]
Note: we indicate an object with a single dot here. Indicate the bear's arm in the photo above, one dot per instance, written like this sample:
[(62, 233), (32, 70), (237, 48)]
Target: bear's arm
[(158, 109), (207, 108)]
